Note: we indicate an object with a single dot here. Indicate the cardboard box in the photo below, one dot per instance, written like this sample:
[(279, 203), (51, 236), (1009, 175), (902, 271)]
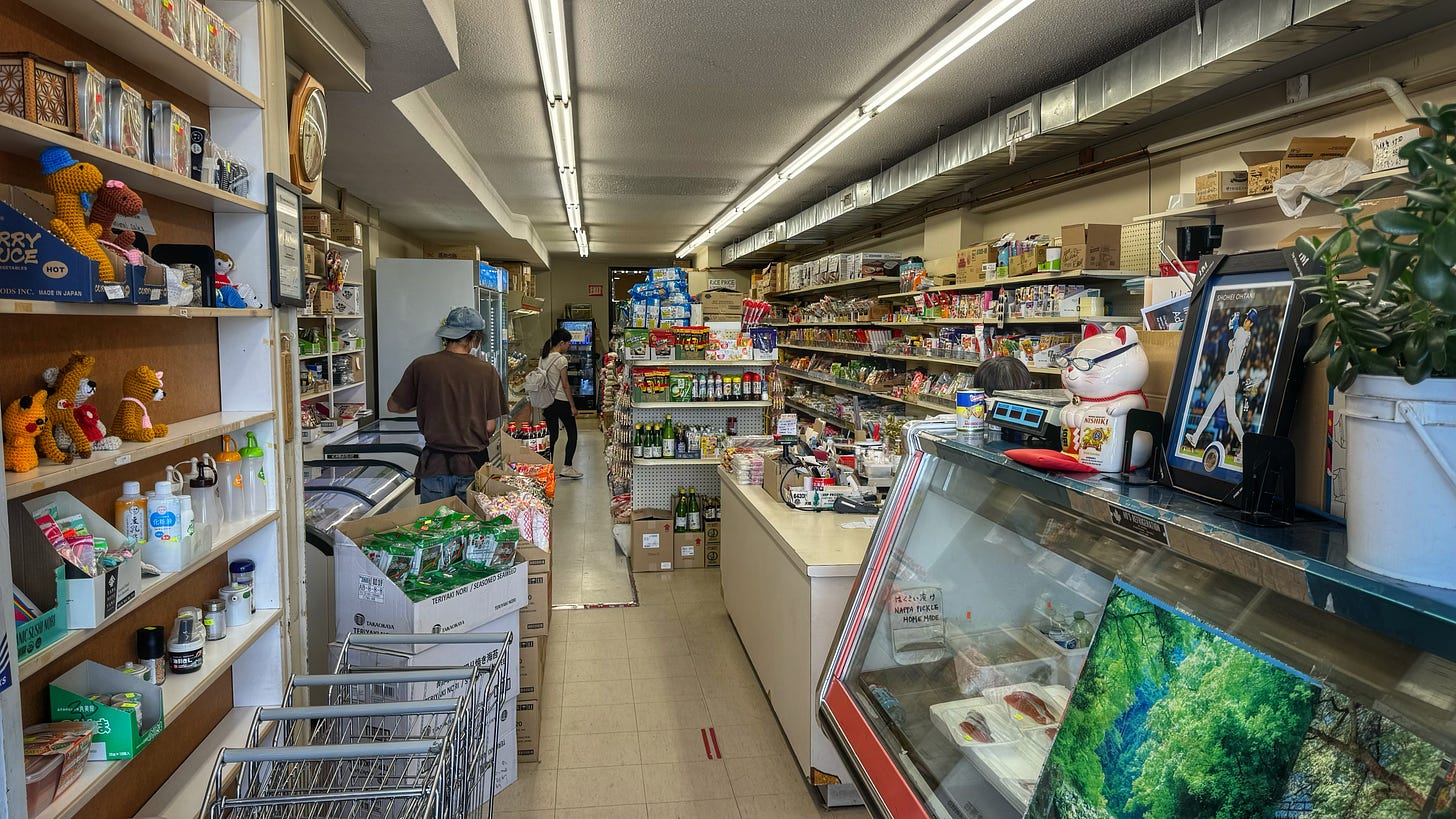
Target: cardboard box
[(89, 601), (348, 232), (36, 264), (506, 755), (366, 601), (323, 302), (712, 542), (1221, 186), (528, 730), (533, 658), (536, 615), (687, 550), (970, 262), (1385, 146), (70, 701), (638, 347), (941, 270), (652, 546), (318, 222), (724, 305), (470, 252), (1267, 166), (1161, 347), (443, 656), (1091, 247)]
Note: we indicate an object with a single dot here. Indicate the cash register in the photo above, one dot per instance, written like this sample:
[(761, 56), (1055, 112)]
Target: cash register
[(1034, 413)]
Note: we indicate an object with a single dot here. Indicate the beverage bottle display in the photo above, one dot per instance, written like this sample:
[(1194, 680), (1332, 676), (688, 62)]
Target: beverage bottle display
[(511, 429), (1081, 629), (654, 442), (680, 513), (164, 515), (637, 441), (255, 481), (681, 444), (230, 479), (668, 437), (695, 515), (131, 512)]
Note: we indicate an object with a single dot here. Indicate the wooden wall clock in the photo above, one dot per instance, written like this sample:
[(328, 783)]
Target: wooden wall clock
[(308, 133)]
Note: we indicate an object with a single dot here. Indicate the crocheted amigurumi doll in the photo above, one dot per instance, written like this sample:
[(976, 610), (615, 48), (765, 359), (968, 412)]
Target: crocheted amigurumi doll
[(24, 420), (68, 179), (132, 422), (87, 416), (113, 200), (61, 406)]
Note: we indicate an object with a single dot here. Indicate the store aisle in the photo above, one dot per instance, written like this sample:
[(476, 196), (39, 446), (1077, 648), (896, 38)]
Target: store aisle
[(654, 711), (586, 567)]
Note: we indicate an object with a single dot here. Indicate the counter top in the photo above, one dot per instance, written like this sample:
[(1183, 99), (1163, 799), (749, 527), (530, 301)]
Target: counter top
[(814, 541)]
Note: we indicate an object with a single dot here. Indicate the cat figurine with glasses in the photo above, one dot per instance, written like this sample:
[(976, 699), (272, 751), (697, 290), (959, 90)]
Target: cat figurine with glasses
[(1105, 374)]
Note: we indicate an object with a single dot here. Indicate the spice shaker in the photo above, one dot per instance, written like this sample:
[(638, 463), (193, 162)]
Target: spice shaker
[(241, 572), (214, 619), (184, 650), (151, 649)]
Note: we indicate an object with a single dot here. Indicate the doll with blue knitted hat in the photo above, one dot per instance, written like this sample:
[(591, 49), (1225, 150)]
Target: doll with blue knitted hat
[(69, 180)]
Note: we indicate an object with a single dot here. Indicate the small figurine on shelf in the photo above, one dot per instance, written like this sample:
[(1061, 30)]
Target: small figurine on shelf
[(88, 418), (227, 293), (113, 200), (133, 422), (61, 409), (334, 270), (24, 421), (67, 180), (1105, 374)]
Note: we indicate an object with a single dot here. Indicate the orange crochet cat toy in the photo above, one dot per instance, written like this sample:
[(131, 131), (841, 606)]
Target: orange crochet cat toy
[(61, 406), (133, 422), (68, 179), (24, 420)]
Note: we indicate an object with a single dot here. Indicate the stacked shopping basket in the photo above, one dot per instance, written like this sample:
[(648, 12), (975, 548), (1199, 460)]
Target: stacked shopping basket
[(410, 743)]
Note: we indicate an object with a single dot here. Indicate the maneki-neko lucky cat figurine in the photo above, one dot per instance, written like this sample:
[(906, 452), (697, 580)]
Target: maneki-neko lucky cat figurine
[(1104, 373)]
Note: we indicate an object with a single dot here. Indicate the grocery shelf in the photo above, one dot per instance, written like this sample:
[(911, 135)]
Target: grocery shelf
[(179, 434), (312, 356), (674, 461), (231, 535), (19, 136), (801, 375), (179, 692), (181, 794), (1263, 200), (338, 316), (792, 324), (1069, 320), (923, 359), (314, 395), (129, 37), (676, 404), (865, 281), (670, 364), (330, 244), (1039, 278), (37, 307), (358, 383)]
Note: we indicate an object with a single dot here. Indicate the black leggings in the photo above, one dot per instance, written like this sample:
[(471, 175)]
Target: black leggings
[(559, 415)]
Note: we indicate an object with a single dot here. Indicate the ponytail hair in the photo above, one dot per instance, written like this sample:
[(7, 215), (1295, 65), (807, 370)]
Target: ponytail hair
[(556, 338)]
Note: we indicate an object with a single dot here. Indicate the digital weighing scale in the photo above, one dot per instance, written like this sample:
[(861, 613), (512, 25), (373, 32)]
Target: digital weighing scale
[(1035, 412)]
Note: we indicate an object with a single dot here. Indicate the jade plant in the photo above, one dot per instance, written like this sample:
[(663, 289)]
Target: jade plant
[(1400, 319)]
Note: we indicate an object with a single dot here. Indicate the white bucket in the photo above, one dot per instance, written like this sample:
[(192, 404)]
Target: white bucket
[(1402, 486)]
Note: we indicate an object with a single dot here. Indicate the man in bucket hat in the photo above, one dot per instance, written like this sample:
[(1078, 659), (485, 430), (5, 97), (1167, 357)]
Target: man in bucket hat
[(458, 398)]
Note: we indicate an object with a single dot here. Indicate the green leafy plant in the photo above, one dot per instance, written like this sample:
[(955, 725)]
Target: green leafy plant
[(1401, 319)]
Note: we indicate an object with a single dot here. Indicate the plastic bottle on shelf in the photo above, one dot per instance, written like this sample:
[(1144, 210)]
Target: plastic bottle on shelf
[(889, 703), (255, 481), (164, 515), (230, 479), (202, 488), (131, 512), (1081, 629)]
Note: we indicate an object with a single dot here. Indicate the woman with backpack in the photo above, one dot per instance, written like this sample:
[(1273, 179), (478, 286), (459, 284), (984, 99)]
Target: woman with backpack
[(550, 392)]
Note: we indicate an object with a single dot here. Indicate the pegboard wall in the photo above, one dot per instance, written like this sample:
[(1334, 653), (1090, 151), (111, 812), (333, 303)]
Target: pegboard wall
[(655, 485)]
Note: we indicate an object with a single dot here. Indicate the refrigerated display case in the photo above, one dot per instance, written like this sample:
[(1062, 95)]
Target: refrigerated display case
[(413, 296), (581, 373), (396, 441), (959, 657)]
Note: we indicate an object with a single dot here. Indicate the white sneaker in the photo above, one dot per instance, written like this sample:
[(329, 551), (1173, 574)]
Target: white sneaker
[(570, 472)]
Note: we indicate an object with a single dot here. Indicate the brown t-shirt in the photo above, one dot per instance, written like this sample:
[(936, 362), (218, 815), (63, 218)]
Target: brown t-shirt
[(454, 395)]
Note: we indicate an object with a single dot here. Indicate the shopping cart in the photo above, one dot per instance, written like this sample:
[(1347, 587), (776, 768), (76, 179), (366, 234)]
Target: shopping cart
[(416, 743)]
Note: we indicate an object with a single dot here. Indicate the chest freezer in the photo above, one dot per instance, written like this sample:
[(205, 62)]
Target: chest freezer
[(1029, 644), (394, 442)]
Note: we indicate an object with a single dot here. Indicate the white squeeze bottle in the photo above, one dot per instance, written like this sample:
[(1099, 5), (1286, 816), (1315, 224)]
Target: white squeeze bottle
[(230, 479), (255, 482), (164, 515)]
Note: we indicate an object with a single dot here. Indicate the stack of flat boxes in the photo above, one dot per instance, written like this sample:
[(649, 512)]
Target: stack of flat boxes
[(535, 623)]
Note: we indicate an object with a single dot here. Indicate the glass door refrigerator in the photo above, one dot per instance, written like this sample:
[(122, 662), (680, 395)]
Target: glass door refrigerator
[(1028, 644), (413, 296), (581, 373)]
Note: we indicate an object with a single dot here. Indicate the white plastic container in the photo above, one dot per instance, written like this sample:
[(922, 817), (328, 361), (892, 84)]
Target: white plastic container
[(230, 480), (948, 717), (164, 515), (255, 480)]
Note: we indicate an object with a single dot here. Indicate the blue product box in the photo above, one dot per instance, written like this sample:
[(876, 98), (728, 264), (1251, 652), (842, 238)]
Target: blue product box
[(36, 264), (494, 278)]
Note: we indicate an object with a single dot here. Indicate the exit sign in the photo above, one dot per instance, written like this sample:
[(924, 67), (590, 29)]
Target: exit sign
[(594, 290)]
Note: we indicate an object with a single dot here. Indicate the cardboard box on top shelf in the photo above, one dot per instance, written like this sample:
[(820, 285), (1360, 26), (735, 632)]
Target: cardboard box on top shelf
[(323, 302), (712, 542), (528, 730), (1220, 186), (722, 305), (1158, 289), (652, 545), (1091, 247), (533, 659), (468, 252), (687, 550), (1267, 166), (1161, 347), (1385, 145), (367, 601), (970, 262), (941, 270), (347, 231), (318, 222), (536, 615)]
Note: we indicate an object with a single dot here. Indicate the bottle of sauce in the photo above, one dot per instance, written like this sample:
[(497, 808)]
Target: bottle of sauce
[(131, 512)]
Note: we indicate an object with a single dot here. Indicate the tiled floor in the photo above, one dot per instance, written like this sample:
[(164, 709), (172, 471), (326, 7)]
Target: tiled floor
[(651, 711)]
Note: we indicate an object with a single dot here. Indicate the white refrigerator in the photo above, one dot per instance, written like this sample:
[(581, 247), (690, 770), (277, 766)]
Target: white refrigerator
[(412, 298)]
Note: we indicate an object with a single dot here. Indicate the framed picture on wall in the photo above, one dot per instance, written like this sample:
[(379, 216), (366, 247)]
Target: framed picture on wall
[(1236, 361), (285, 243)]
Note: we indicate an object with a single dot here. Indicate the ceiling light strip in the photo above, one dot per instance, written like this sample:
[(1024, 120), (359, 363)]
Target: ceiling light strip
[(973, 29), (548, 28)]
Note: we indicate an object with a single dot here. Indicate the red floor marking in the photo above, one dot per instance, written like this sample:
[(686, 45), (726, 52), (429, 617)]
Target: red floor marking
[(706, 748), (712, 734)]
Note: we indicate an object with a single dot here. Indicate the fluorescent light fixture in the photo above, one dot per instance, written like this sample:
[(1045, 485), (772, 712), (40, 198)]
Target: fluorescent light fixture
[(976, 27), (548, 27)]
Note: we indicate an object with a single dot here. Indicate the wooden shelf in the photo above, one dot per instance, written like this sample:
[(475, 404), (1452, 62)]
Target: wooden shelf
[(1040, 278), (314, 396), (22, 307), (330, 244), (350, 385), (1071, 320), (919, 359), (338, 317), (866, 281), (23, 137), (179, 434), (699, 404), (129, 37), (178, 694), (180, 797), (701, 364), (1263, 200), (231, 535)]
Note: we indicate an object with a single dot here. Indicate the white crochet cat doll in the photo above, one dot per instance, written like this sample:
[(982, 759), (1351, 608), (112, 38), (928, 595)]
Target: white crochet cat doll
[(86, 415), (1105, 374)]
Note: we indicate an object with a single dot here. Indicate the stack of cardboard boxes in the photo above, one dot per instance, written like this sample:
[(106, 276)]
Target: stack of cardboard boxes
[(656, 547), (1264, 168)]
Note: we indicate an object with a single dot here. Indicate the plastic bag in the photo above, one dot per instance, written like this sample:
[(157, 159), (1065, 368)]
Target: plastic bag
[(1322, 177)]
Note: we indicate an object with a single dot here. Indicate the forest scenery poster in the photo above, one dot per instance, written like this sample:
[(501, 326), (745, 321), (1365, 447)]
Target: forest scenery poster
[(1171, 720)]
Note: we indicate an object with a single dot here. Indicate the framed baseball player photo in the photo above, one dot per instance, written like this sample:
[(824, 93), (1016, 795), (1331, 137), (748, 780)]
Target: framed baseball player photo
[(1240, 349)]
